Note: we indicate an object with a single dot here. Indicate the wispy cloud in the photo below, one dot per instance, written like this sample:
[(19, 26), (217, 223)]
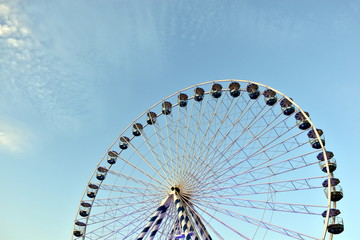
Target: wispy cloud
[(14, 138), (8, 141), (34, 76), (53, 65)]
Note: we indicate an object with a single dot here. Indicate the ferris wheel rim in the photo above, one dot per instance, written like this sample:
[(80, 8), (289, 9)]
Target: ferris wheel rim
[(299, 109)]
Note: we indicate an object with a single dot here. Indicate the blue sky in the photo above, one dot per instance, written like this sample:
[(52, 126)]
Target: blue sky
[(74, 74)]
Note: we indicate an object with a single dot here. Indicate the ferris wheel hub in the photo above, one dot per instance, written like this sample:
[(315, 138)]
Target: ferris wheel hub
[(176, 189)]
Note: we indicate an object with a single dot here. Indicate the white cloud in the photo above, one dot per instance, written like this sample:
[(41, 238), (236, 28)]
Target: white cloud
[(15, 43), (4, 10), (9, 141), (14, 139), (34, 75), (6, 30)]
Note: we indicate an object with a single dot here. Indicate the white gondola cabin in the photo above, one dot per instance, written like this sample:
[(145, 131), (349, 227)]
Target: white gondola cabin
[(151, 118), (234, 88), (287, 107), (216, 90), (314, 141), (335, 225), (331, 161), (111, 160), (137, 129), (84, 209), (199, 94), (112, 153), (333, 212), (336, 193), (166, 108), (182, 99), (253, 90), (79, 229), (101, 173), (302, 121), (92, 190), (124, 142), (270, 97), (333, 182)]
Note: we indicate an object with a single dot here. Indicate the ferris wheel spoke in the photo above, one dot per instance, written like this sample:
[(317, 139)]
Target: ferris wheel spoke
[(220, 164), (265, 171), (133, 201), (135, 180), (174, 147), (199, 160), (128, 189), (200, 228), (257, 140), (149, 163), (120, 215), (272, 169), (166, 228), (199, 129), (204, 146), (142, 171), (192, 133), (101, 203), (260, 123), (162, 165), (132, 226), (260, 223), (181, 144), (261, 131), (170, 143), (209, 226), (249, 169), (204, 104), (203, 156), (111, 231), (262, 205), (245, 159), (177, 135), (185, 144), (113, 213), (185, 135), (203, 210), (164, 148), (202, 129), (271, 187), (125, 199)]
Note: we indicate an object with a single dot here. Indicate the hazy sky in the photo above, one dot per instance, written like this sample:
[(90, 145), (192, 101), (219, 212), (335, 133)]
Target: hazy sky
[(74, 74)]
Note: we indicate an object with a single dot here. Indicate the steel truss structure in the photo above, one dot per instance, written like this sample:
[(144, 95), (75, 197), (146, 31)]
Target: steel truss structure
[(225, 159)]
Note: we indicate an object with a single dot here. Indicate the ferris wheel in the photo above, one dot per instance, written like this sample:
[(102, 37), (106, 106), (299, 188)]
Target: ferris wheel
[(226, 159)]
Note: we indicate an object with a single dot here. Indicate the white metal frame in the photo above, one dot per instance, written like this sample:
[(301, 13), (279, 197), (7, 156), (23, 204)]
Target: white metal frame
[(166, 169)]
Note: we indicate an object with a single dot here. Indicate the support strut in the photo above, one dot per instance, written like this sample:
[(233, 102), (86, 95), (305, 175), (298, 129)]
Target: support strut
[(184, 224), (158, 217)]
